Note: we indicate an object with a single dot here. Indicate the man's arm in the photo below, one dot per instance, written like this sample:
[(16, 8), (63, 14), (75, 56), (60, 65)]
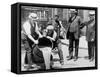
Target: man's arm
[(37, 31), (54, 35), (50, 38), (27, 27), (62, 28), (81, 23), (93, 32)]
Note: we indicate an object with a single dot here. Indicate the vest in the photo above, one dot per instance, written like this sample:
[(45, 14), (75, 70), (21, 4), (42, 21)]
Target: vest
[(50, 34), (33, 33)]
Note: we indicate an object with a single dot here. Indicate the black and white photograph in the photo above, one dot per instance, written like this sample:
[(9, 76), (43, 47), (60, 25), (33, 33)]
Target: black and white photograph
[(51, 38), (57, 38)]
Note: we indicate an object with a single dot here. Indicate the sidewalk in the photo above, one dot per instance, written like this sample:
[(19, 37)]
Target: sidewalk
[(81, 62)]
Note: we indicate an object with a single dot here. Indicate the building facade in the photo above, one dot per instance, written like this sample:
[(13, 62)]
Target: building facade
[(44, 13)]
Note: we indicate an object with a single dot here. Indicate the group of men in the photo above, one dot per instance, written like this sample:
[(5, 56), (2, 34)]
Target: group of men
[(74, 32), (55, 32)]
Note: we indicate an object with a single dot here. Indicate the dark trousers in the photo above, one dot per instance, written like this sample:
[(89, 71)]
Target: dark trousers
[(28, 47), (73, 43), (60, 52), (91, 48)]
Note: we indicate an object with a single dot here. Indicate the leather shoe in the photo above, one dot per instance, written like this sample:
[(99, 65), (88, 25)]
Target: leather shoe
[(76, 58), (70, 58)]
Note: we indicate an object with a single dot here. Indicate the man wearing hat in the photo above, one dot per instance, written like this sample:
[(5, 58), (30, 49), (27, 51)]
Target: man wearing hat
[(32, 33), (73, 34), (52, 35), (60, 30), (58, 26), (90, 35)]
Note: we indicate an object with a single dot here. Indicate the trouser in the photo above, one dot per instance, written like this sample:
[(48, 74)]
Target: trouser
[(54, 44), (73, 42), (58, 45), (28, 47), (91, 48), (60, 52)]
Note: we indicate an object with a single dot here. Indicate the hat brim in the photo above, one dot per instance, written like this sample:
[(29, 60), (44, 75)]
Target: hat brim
[(35, 18), (73, 11), (91, 14), (50, 28)]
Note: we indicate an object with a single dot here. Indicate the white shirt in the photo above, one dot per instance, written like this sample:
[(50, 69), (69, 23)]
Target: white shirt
[(26, 27), (54, 35)]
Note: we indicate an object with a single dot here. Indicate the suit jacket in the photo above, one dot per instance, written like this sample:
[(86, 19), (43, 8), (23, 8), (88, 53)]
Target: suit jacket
[(90, 31), (75, 27)]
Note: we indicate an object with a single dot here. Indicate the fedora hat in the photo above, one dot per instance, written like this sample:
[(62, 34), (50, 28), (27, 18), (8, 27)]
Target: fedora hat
[(73, 10), (33, 16), (92, 13), (50, 27)]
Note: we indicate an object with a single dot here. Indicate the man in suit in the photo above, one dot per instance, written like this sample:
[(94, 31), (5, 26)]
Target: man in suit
[(74, 34), (90, 35)]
